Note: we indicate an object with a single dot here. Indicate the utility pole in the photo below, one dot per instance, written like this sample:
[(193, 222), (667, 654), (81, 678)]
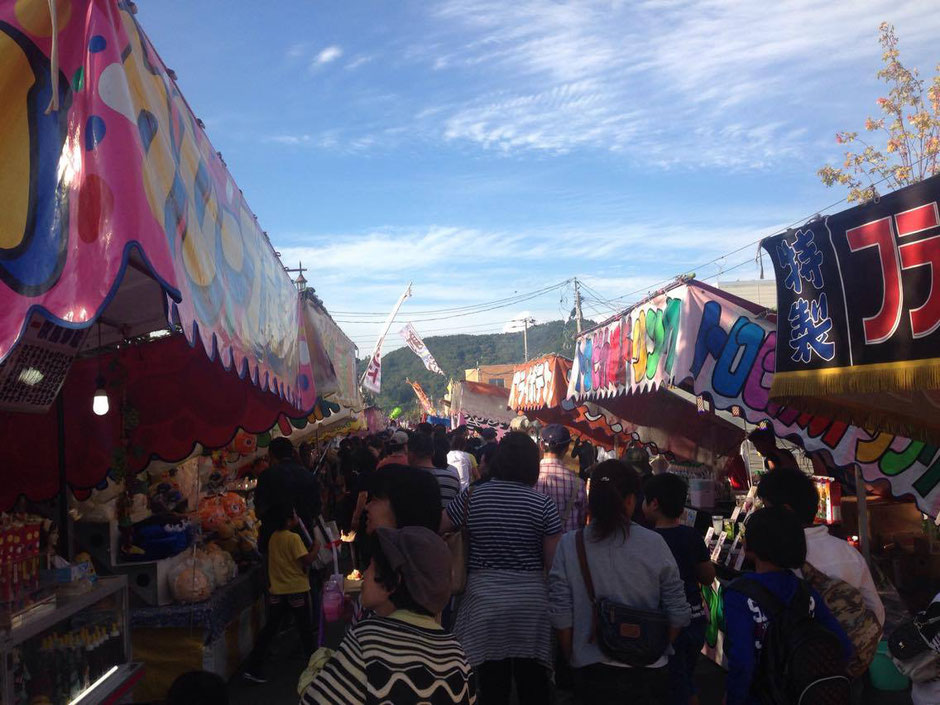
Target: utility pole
[(579, 319), (525, 333)]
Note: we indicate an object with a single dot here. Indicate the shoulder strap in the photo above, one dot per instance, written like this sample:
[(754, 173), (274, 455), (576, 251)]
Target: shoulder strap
[(761, 595), (585, 568)]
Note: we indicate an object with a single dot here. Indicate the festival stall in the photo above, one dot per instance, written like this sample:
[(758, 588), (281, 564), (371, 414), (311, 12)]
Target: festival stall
[(663, 421), (478, 406), (120, 219), (858, 340), (722, 349)]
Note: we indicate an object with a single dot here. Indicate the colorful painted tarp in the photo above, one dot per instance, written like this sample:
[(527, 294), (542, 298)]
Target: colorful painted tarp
[(123, 171), (332, 356), (859, 301), (722, 347)]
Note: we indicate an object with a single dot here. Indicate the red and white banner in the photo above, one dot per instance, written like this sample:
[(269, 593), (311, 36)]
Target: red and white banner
[(372, 378)]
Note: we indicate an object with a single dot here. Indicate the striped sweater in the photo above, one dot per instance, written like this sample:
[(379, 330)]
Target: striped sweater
[(397, 660)]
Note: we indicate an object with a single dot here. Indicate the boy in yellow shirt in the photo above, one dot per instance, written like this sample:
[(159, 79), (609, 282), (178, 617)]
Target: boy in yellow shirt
[(289, 591)]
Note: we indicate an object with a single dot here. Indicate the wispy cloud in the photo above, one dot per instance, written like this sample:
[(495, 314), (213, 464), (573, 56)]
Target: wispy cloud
[(358, 62), (714, 83), (298, 50), (326, 56)]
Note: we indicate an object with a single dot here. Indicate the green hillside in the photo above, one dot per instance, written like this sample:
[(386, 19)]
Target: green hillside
[(456, 353)]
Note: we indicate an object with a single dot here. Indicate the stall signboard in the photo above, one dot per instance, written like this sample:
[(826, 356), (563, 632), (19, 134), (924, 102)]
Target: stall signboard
[(723, 348), (119, 173), (540, 383), (859, 302)]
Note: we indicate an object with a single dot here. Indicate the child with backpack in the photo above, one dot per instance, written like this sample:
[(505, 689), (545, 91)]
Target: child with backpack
[(784, 645), (663, 505), (834, 568)]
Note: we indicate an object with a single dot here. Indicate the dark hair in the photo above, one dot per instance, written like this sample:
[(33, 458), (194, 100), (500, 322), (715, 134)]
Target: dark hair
[(198, 688), (774, 534), (393, 581), (424, 427), (762, 433), (487, 453), (441, 449), (279, 514), (787, 487), (516, 459), (458, 442), (421, 444), (414, 494), (281, 448), (375, 441), (669, 490), (305, 453), (612, 481)]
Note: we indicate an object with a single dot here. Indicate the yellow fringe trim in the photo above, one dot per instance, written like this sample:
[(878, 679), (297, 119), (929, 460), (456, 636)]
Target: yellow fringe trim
[(861, 379)]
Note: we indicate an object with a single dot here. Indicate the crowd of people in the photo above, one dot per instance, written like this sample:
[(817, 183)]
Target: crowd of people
[(579, 574)]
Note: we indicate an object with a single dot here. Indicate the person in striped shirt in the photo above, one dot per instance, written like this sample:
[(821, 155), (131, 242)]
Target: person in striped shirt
[(421, 455), (401, 655), (503, 622)]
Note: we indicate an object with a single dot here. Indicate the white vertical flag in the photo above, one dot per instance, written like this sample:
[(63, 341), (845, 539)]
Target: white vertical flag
[(372, 378), (414, 341)]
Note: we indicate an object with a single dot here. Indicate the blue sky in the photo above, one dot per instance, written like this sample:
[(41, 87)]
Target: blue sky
[(483, 147)]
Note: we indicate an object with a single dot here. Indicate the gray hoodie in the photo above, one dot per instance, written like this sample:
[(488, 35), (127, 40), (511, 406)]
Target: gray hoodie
[(637, 570)]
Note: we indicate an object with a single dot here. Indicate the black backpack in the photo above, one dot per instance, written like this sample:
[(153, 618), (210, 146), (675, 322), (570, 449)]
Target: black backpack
[(801, 661)]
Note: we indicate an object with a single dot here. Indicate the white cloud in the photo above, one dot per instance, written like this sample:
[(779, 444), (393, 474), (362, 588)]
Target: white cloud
[(326, 56), (298, 50), (696, 82), (358, 62)]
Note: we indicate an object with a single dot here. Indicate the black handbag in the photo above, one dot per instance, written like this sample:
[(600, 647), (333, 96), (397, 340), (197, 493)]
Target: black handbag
[(632, 636)]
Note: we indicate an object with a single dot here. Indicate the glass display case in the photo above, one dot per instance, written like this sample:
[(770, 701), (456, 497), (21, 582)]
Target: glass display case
[(75, 653)]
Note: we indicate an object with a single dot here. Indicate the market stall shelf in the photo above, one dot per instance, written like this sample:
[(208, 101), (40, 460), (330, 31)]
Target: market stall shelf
[(79, 650)]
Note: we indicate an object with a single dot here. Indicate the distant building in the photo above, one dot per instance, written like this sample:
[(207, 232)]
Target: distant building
[(499, 375), (762, 292)]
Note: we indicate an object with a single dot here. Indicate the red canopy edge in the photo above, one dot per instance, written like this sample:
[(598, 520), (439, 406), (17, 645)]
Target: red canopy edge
[(167, 398)]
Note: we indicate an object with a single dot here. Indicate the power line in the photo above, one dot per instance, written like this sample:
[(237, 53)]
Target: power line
[(457, 309), (460, 315), (795, 223)]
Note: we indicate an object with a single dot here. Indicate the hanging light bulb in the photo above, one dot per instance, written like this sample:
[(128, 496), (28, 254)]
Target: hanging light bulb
[(100, 403)]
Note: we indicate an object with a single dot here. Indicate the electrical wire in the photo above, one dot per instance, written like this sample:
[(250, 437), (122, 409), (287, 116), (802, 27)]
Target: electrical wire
[(509, 300), (795, 223)]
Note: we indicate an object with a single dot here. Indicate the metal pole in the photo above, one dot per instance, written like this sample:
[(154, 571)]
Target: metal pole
[(579, 319), (862, 498), (525, 338), (65, 528)]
